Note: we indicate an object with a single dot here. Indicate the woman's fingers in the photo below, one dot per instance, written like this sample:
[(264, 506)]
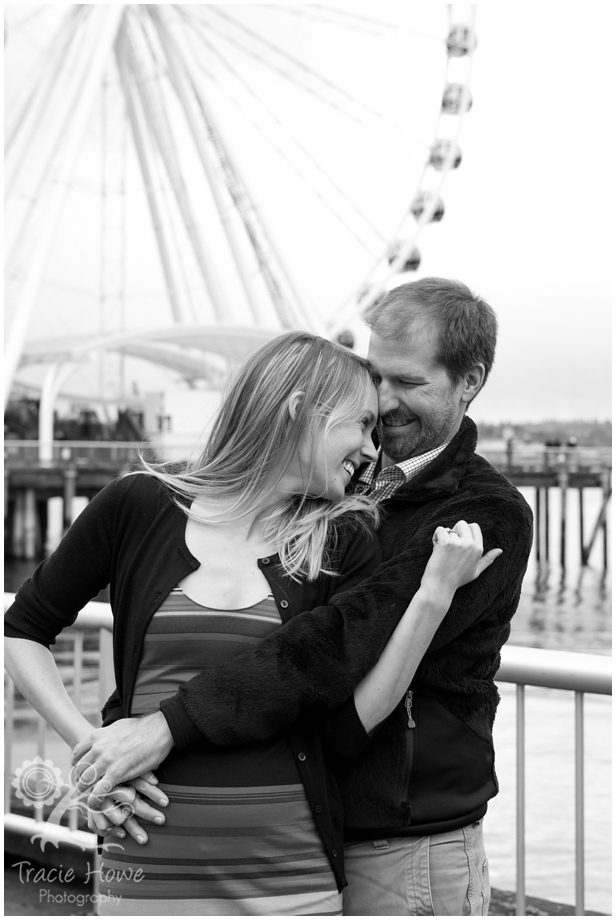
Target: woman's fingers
[(487, 560), (144, 786), (135, 830), (81, 748), (143, 809), (477, 535), (140, 807), (99, 825)]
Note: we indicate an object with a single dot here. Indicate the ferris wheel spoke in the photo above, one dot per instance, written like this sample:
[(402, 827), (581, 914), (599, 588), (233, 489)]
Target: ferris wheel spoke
[(108, 21), (353, 109), (364, 25), (388, 29), (158, 122), (53, 69), (185, 88), (246, 112), (161, 227)]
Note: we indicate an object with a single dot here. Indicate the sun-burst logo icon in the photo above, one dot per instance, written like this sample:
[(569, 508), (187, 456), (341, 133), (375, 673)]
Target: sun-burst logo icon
[(38, 782)]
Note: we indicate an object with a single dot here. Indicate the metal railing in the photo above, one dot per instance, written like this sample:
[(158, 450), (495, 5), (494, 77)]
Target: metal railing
[(578, 673), (79, 453), (571, 671)]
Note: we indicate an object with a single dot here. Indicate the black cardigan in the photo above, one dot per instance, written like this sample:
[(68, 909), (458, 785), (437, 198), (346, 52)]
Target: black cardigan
[(131, 536)]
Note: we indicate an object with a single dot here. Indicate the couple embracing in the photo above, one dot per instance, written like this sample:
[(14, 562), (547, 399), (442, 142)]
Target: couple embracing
[(307, 625)]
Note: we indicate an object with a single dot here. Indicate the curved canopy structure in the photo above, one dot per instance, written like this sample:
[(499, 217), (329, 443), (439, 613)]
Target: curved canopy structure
[(169, 346)]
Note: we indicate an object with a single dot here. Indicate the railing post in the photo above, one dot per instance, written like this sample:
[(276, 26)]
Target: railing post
[(41, 740), (73, 814), (579, 804), (9, 715), (520, 892)]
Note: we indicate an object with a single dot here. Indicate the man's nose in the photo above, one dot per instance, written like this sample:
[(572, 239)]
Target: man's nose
[(388, 401)]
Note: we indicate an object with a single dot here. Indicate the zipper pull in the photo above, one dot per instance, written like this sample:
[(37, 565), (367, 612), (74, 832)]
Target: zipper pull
[(408, 703)]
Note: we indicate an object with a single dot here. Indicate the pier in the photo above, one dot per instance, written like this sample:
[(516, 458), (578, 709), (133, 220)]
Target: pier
[(83, 468)]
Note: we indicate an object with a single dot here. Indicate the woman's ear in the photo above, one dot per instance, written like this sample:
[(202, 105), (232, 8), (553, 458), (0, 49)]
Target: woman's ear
[(295, 400)]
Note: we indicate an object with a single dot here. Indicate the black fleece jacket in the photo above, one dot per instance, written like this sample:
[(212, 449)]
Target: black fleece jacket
[(439, 775)]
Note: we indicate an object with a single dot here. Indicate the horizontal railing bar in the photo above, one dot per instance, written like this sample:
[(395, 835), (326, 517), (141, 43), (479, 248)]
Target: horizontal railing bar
[(519, 665), (555, 669), (53, 833)]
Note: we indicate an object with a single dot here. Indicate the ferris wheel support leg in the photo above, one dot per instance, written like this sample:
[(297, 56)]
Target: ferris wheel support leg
[(178, 66), (170, 159), (179, 307), (22, 138), (38, 148), (111, 17), (293, 311)]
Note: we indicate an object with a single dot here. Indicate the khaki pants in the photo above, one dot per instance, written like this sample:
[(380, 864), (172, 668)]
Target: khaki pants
[(443, 875)]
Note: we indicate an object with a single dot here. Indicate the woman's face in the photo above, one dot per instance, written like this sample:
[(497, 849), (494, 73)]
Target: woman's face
[(329, 456)]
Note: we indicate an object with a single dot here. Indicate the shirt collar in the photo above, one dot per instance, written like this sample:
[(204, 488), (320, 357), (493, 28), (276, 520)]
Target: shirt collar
[(398, 473)]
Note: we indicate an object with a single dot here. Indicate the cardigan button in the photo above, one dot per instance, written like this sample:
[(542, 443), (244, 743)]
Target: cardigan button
[(284, 604), (156, 596), (318, 809), (265, 560), (301, 756), (334, 853)]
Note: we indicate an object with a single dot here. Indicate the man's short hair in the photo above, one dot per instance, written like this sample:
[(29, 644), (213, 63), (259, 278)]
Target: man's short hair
[(466, 325)]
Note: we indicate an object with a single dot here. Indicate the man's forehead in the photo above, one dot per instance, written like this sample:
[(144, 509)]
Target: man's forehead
[(415, 350)]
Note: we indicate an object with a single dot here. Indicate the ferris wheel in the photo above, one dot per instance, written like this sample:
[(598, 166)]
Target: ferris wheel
[(226, 167)]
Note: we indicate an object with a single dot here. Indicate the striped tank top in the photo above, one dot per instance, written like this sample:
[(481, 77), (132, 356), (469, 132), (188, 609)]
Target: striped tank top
[(239, 837)]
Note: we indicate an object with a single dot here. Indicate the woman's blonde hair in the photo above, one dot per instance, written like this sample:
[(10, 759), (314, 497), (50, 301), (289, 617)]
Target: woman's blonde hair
[(256, 437)]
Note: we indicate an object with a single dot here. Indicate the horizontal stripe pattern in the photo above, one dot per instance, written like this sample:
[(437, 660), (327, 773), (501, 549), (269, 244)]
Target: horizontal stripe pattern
[(239, 838)]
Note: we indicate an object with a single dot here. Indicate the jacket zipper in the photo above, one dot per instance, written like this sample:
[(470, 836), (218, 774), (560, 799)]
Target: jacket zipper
[(410, 743), (408, 703)]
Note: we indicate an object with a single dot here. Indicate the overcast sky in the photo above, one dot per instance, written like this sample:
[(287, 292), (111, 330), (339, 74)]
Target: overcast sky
[(528, 222)]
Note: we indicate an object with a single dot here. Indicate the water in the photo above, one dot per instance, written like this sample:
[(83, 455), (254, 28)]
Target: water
[(564, 609)]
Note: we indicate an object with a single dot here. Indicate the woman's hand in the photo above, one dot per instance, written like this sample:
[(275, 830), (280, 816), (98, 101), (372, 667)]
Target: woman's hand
[(456, 559), (118, 812)]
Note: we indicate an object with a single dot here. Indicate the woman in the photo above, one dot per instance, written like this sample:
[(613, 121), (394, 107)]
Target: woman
[(200, 565)]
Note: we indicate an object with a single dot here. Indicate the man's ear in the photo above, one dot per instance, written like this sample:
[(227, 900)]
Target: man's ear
[(295, 400), (473, 381)]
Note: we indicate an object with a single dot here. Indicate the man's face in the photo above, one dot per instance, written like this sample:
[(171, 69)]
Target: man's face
[(419, 407)]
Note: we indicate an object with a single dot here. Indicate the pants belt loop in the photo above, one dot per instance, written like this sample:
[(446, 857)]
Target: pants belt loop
[(380, 844)]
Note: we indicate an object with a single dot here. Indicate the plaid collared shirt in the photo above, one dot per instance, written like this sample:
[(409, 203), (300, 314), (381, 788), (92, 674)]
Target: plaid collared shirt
[(392, 477)]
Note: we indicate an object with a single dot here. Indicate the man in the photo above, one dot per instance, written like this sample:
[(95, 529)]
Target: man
[(433, 344), (416, 792)]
